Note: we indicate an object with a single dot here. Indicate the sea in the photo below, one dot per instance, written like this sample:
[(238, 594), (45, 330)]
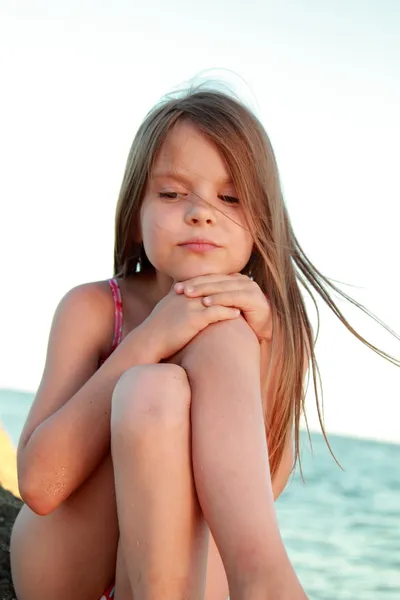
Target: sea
[(341, 526)]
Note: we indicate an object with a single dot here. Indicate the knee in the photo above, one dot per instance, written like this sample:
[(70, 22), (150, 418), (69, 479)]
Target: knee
[(150, 397), (216, 341)]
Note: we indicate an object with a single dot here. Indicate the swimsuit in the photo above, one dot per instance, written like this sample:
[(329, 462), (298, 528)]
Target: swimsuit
[(116, 293), (108, 594), (117, 336), (117, 313)]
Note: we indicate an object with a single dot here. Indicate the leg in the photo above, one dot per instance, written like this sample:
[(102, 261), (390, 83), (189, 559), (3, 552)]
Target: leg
[(216, 582), (230, 462), (163, 534)]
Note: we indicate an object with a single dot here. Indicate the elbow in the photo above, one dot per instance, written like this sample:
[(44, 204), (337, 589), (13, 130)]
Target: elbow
[(34, 503), (36, 490), (36, 499)]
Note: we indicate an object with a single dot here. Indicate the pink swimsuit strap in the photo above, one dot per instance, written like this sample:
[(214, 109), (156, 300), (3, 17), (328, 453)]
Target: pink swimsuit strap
[(116, 293), (117, 336)]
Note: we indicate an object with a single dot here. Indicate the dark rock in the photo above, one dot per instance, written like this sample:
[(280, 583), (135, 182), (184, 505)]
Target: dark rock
[(9, 508)]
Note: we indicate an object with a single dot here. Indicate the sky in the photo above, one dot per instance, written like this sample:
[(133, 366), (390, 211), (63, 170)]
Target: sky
[(77, 78)]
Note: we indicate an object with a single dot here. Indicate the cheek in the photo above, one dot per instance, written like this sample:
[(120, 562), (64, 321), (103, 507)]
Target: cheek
[(244, 242), (158, 227)]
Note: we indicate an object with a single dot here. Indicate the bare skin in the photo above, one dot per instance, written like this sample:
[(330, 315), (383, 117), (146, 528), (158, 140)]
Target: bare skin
[(77, 554)]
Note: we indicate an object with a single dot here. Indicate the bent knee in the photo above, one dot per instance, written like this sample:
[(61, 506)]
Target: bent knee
[(149, 395), (217, 339)]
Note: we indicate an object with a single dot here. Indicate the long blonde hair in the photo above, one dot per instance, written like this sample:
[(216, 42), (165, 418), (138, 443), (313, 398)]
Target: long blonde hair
[(278, 265)]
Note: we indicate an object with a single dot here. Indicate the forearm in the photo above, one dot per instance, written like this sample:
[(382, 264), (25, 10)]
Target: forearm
[(67, 446)]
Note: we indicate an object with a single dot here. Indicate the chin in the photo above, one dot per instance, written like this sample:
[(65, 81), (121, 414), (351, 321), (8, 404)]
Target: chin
[(184, 274)]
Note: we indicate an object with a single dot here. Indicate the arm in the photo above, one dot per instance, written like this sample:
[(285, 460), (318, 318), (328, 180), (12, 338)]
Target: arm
[(68, 428)]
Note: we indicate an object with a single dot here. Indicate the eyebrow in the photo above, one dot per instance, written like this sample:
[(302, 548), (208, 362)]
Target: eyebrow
[(182, 178)]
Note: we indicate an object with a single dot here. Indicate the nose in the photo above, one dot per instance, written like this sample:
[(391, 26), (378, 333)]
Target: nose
[(199, 212)]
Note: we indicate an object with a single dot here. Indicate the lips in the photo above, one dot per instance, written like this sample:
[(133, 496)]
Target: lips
[(197, 241), (199, 245)]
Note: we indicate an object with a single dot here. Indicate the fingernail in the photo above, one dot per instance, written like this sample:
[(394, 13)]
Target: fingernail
[(189, 290), (207, 300), (178, 287)]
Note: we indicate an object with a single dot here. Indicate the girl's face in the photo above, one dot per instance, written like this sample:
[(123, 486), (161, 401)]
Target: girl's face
[(192, 222)]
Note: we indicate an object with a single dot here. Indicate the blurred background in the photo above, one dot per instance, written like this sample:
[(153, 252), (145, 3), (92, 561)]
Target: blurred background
[(77, 78)]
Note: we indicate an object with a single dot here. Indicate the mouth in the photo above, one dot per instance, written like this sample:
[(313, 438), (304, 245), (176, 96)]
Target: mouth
[(199, 245)]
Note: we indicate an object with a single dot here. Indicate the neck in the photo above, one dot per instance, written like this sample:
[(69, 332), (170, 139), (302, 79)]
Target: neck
[(162, 284), (155, 286)]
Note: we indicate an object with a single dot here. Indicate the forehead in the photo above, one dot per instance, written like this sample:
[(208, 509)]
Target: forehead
[(186, 149)]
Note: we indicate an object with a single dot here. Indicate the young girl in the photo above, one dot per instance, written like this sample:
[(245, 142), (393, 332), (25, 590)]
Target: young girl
[(162, 430)]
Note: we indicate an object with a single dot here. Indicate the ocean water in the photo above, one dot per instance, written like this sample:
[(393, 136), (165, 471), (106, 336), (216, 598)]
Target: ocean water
[(341, 528)]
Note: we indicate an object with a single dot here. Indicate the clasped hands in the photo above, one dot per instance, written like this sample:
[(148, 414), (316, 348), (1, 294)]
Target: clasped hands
[(237, 291)]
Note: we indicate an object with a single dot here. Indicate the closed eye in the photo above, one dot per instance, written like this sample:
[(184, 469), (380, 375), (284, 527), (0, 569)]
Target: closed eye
[(229, 199), (170, 195)]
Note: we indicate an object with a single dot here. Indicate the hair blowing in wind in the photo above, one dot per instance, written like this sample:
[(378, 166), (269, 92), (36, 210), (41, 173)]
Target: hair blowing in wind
[(278, 264)]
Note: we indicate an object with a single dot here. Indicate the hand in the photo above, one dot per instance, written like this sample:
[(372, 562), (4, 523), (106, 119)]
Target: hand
[(176, 320), (232, 290)]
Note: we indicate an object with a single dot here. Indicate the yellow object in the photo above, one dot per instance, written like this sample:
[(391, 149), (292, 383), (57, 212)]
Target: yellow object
[(8, 464)]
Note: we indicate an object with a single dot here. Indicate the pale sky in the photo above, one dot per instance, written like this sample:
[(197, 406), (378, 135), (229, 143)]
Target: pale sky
[(78, 77)]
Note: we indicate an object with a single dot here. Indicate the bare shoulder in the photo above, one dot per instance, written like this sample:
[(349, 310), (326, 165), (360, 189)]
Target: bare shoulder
[(87, 308), (95, 292), (89, 300)]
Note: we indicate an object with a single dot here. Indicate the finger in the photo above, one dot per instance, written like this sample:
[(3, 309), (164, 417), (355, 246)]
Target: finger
[(241, 299), (211, 288), (189, 284), (216, 313), (182, 286)]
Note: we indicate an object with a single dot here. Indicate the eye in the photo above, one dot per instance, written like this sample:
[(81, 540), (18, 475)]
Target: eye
[(170, 195), (229, 199)]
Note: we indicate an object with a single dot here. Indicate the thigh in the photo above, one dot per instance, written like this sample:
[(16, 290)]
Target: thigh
[(70, 553)]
